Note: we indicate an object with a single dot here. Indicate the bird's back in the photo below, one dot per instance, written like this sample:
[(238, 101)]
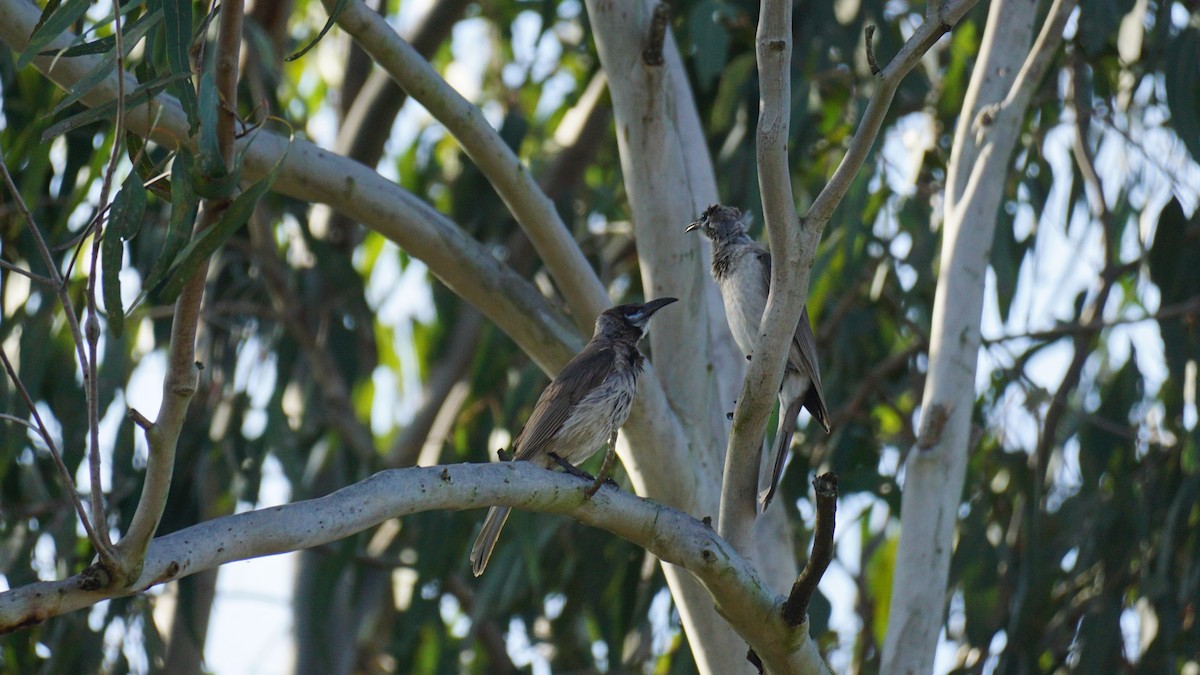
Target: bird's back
[(588, 400)]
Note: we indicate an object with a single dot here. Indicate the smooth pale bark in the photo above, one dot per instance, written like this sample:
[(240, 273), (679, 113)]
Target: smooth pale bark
[(312, 173), (997, 100), (669, 178)]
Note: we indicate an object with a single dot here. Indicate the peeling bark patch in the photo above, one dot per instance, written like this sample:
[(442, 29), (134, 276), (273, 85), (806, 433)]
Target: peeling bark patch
[(933, 423), (776, 45), (94, 578), (653, 54), (168, 574), (445, 476), (31, 621)]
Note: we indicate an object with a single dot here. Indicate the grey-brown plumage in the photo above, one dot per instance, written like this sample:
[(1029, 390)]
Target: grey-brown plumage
[(742, 270), (582, 408)]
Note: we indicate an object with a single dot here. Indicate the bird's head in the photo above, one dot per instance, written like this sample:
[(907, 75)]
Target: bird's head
[(721, 224), (627, 319)]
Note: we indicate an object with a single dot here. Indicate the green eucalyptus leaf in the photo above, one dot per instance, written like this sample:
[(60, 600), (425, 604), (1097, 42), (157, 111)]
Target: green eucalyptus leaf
[(212, 179), (184, 203), (55, 21), (177, 22), (106, 65), (337, 10), (108, 42), (124, 220), (237, 215), (139, 96)]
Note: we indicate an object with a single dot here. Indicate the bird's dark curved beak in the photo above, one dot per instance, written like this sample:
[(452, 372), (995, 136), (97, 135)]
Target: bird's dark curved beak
[(655, 305), (693, 227)]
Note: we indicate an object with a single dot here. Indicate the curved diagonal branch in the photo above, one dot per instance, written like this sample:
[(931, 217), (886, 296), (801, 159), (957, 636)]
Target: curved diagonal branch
[(742, 597), (504, 170)]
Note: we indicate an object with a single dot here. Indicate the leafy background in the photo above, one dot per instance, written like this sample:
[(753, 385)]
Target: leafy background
[(330, 354)]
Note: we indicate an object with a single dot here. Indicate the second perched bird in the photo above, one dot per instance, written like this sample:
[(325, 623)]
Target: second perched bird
[(582, 408), (742, 270)]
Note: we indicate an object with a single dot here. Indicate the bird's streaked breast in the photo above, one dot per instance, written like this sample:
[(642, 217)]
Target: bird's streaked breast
[(597, 415), (744, 299)]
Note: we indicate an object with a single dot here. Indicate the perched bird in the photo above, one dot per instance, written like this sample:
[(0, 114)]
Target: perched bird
[(742, 270), (581, 410)]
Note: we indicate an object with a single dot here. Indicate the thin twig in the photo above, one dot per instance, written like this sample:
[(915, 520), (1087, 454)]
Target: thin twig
[(99, 541), (335, 395), (69, 483), (870, 383), (795, 608), (1083, 341), (795, 247), (1182, 309), (20, 420), (139, 419), (870, 35), (32, 276), (92, 324), (928, 33)]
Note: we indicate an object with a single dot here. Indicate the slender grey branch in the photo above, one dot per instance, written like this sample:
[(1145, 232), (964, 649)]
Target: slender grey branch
[(790, 275), (773, 48), (182, 377), (935, 470), (1182, 309), (98, 535), (1032, 72), (92, 324), (928, 33)]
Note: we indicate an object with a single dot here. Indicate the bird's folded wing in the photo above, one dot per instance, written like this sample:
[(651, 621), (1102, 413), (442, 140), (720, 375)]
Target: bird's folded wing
[(580, 376)]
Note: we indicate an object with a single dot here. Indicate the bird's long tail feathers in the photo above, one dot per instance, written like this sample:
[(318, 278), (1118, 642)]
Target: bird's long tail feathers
[(486, 541), (816, 406), (783, 443)]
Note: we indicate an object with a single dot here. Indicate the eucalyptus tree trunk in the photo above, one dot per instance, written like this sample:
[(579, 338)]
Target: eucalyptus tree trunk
[(669, 178), (1005, 74)]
